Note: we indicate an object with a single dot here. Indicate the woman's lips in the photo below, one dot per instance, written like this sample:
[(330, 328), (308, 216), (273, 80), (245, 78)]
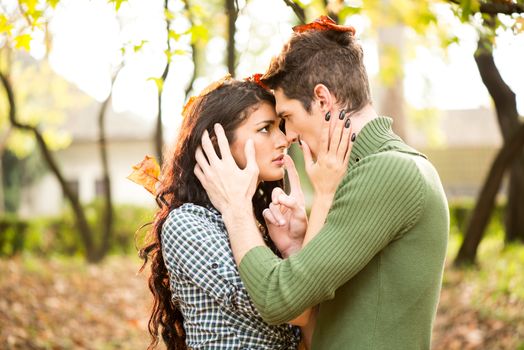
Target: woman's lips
[(279, 160)]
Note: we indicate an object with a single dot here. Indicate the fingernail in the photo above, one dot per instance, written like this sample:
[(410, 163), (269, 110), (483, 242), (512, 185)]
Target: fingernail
[(328, 115), (348, 123), (342, 114), (353, 137)]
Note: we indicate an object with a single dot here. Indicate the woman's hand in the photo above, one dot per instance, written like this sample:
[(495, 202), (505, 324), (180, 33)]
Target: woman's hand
[(227, 186), (286, 217), (332, 159)]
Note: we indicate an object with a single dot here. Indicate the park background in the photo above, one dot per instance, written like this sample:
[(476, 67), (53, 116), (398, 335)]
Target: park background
[(89, 87)]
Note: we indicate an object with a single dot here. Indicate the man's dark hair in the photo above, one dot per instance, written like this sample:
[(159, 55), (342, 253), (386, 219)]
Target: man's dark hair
[(327, 57)]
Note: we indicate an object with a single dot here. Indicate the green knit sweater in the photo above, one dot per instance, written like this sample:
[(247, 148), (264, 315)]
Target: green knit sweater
[(376, 266)]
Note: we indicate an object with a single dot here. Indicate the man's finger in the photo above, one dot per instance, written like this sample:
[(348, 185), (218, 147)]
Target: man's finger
[(308, 158), (336, 136), (345, 143), (294, 179), (208, 148), (223, 144), (324, 137)]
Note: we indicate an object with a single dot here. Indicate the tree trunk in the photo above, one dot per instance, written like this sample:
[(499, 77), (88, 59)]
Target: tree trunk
[(232, 14), (80, 219), (159, 133), (510, 156), (486, 201), (508, 118), (514, 219), (107, 211)]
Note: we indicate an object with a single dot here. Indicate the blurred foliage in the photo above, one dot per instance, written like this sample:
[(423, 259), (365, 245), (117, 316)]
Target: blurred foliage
[(57, 235), (18, 173)]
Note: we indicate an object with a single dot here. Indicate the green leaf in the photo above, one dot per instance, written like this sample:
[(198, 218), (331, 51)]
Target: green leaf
[(117, 3), (5, 26), (174, 35), (53, 3), (199, 33), (169, 15), (138, 47), (158, 81), (23, 41), (348, 11)]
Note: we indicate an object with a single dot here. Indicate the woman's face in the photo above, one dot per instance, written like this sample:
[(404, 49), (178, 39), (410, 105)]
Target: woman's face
[(262, 126)]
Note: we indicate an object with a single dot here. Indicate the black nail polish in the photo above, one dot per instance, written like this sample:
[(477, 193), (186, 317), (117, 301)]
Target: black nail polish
[(328, 115), (353, 137), (342, 114), (348, 123)]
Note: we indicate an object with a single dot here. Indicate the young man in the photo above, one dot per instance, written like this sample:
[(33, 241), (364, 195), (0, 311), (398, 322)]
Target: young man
[(376, 265)]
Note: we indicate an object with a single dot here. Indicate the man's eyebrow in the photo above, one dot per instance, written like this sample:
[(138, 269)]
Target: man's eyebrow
[(281, 114)]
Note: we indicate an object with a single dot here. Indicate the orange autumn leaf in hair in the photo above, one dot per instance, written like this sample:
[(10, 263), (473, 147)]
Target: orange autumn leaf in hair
[(323, 23), (214, 85), (146, 173), (255, 78)]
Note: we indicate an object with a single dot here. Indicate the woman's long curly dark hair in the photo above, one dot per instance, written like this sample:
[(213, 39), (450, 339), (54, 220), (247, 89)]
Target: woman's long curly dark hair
[(229, 104)]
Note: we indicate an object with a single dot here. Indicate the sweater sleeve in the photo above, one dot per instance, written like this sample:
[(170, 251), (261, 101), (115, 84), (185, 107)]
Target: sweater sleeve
[(378, 200)]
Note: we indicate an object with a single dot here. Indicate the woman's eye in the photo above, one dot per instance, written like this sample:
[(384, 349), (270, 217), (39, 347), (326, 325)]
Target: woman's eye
[(264, 129)]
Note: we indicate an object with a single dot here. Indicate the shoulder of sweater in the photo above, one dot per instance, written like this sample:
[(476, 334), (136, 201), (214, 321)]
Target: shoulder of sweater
[(389, 169)]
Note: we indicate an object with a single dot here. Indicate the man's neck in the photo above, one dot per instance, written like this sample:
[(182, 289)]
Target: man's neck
[(361, 118)]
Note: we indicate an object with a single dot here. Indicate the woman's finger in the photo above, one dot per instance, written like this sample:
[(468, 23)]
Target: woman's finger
[(208, 148), (202, 162), (223, 144), (268, 216), (277, 191), (200, 175), (277, 214)]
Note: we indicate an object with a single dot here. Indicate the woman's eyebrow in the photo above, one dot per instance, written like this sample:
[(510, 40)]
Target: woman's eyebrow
[(266, 121)]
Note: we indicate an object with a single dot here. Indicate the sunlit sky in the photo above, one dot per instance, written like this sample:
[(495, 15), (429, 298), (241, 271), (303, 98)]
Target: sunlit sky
[(87, 37)]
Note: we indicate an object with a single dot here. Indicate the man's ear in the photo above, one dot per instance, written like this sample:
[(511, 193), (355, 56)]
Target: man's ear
[(323, 97)]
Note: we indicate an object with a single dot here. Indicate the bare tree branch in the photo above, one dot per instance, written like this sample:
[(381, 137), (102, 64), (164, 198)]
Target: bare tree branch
[(298, 10), (496, 7)]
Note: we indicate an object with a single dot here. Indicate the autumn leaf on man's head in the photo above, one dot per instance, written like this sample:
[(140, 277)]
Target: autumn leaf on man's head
[(146, 173)]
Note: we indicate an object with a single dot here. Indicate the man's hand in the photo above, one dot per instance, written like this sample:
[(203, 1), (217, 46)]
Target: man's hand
[(227, 186), (286, 217)]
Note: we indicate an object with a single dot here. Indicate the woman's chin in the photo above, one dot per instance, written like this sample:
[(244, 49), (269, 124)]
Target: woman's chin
[(273, 175)]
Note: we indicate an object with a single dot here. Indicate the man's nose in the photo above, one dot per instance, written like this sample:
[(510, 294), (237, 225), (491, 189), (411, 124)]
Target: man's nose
[(291, 136)]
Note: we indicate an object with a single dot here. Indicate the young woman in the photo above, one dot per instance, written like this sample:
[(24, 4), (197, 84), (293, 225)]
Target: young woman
[(199, 299)]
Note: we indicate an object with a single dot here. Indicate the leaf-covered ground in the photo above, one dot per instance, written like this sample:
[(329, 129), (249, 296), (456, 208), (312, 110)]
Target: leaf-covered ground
[(67, 304)]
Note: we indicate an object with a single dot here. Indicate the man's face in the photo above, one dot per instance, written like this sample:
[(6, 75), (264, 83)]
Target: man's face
[(299, 123)]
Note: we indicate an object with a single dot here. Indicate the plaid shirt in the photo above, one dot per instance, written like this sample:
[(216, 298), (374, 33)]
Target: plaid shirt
[(206, 285)]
